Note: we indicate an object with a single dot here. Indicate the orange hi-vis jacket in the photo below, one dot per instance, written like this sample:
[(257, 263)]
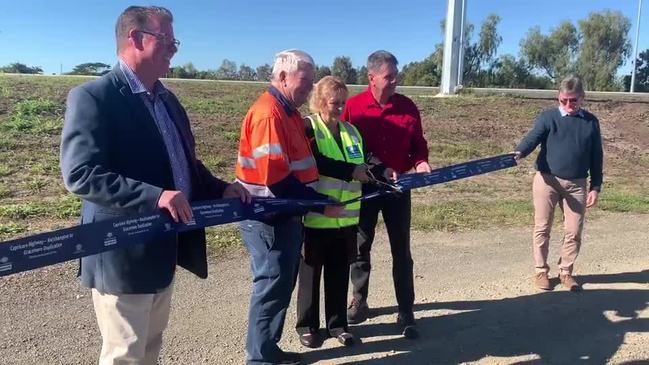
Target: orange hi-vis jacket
[(272, 147)]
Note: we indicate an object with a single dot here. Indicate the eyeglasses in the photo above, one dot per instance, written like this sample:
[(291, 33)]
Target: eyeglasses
[(162, 37), (568, 100)]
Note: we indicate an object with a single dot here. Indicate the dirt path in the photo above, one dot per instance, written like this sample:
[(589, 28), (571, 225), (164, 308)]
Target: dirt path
[(475, 304)]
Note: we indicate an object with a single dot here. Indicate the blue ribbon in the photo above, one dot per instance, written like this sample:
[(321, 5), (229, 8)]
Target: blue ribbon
[(89, 239), (444, 174), (456, 172)]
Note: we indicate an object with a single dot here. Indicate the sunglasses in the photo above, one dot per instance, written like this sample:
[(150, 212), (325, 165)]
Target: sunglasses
[(571, 100)]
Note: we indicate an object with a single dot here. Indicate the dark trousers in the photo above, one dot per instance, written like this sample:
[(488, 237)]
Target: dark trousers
[(274, 258), (396, 215), (332, 250)]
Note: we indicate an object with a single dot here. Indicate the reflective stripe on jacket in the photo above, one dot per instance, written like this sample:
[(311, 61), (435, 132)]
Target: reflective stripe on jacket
[(340, 190)]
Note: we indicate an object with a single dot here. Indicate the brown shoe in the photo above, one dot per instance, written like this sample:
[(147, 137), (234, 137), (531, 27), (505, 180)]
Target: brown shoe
[(357, 312), (311, 339), (569, 282), (542, 281)]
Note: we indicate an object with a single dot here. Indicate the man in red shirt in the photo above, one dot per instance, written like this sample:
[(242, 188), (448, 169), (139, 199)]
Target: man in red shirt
[(391, 128)]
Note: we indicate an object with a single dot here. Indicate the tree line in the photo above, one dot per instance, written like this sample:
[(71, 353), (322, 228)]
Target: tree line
[(342, 67), (595, 49)]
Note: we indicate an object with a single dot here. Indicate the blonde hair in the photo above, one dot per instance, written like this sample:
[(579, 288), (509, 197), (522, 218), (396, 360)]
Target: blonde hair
[(327, 87), (290, 61)]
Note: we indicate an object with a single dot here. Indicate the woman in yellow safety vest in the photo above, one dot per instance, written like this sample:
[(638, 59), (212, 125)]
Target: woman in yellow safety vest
[(330, 243)]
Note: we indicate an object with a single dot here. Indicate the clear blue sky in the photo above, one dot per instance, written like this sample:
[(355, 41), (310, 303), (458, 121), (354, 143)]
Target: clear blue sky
[(50, 33)]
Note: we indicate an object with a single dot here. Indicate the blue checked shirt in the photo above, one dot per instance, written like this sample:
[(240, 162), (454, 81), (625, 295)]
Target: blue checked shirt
[(166, 126)]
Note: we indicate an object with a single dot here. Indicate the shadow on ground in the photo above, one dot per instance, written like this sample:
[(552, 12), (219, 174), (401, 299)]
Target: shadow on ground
[(560, 327)]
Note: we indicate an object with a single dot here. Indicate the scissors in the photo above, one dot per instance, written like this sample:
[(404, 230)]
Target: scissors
[(373, 180)]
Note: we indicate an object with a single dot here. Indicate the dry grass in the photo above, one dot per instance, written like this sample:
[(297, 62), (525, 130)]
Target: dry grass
[(32, 198)]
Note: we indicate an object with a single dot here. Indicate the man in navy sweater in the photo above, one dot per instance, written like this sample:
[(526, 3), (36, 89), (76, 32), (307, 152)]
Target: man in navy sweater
[(571, 148)]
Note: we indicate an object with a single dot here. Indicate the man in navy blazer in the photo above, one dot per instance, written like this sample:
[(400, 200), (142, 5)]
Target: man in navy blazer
[(127, 148)]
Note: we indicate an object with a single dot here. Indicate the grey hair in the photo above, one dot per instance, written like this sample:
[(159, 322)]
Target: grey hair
[(289, 61), (572, 84), (137, 17), (379, 58)]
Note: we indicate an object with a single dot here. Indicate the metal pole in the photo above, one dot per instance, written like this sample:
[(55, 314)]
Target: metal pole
[(635, 47), (460, 66), (451, 48)]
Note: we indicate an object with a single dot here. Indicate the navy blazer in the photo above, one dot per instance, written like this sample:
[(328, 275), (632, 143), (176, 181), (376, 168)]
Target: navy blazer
[(114, 158)]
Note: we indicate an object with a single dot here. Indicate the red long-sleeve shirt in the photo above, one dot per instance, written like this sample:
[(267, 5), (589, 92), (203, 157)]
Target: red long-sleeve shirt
[(392, 133)]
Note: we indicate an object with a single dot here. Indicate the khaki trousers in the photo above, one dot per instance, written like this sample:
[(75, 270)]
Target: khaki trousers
[(547, 192), (131, 326)]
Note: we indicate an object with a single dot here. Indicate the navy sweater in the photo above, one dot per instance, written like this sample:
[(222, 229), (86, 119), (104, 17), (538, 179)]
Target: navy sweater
[(571, 145)]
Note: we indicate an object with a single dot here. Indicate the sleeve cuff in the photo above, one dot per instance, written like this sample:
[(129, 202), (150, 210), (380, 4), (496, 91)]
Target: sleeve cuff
[(419, 161)]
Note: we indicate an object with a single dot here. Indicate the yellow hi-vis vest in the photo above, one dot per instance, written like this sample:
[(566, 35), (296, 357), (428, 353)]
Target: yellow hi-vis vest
[(340, 190)]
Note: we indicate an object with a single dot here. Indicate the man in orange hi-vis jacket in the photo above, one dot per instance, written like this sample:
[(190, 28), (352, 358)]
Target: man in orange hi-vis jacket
[(275, 160)]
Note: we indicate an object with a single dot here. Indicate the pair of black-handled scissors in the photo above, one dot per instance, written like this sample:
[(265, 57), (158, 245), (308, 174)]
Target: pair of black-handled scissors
[(374, 180), (382, 184)]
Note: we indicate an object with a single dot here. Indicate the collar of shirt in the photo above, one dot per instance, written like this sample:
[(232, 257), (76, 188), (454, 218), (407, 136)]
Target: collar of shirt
[(564, 113), (371, 102), (137, 87), (288, 108)]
